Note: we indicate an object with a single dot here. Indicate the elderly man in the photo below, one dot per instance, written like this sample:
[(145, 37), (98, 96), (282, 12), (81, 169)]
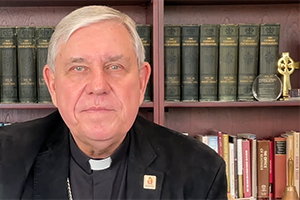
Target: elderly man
[(95, 146)]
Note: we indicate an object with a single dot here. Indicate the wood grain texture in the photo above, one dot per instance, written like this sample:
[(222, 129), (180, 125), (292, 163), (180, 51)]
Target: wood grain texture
[(50, 16), (268, 121)]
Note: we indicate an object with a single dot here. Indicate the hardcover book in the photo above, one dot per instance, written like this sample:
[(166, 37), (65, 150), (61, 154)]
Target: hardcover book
[(145, 33), (228, 62), (8, 65), (190, 62), (26, 64), (43, 35), (269, 48), (209, 62), (279, 166), (172, 45), (263, 168), (248, 60)]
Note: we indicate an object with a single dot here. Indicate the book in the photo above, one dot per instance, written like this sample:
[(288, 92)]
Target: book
[(296, 159), (43, 35), (240, 167), (263, 168), (26, 64), (226, 158), (190, 62), (228, 60), (145, 33), (209, 62), (172, 45), (280, 180), (271, 176), (8, 65), (248, 60), (247, 176), (269, 48)]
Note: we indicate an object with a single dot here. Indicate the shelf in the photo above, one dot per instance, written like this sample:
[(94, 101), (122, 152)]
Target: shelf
[(228, 2), (217, 104), (19, 3), (48, 105)]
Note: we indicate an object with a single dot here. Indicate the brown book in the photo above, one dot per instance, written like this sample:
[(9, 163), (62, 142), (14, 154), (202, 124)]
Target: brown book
[(279, 166), (263, 168)]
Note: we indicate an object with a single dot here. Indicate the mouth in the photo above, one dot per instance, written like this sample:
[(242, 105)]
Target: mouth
[(97, 110)]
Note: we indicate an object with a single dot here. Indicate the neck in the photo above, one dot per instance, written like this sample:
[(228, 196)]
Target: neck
[(98, 149)]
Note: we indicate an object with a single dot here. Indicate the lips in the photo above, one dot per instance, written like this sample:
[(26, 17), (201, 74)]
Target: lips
[(98, 109)]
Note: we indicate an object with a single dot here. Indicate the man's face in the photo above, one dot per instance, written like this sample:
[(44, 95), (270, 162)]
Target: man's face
[(97, 86)]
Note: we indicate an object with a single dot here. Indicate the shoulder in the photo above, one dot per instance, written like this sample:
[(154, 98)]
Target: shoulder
[(23, 135), (174, 146)]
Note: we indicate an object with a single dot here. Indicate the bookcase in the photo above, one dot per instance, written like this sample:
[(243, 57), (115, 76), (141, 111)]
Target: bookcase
[(262, 118)]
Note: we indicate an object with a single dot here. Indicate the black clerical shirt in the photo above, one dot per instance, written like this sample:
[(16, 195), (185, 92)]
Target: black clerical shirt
[(109, 183)]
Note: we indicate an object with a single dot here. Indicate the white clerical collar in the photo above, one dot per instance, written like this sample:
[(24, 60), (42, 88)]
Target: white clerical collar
[(100, 164)]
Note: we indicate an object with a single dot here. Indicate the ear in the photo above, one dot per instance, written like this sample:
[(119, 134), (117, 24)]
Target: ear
[(145, 72), (49, 78)]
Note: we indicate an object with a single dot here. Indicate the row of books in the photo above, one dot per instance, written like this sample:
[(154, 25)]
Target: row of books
[(218, 62), (23, 55), (256, 168)]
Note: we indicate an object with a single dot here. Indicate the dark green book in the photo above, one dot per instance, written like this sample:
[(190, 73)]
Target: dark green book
[(26, 64), (228, 62), (209, 62), (190, 62), (8, 65), (172, 44), (144, 31), (269, 48), (248, 60), (43, 35)]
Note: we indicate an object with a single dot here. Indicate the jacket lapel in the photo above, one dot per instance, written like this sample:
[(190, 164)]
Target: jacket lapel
[(51, 168), (141, 155)]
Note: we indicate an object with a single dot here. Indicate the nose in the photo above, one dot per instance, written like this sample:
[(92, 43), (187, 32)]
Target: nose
[(98, 83)]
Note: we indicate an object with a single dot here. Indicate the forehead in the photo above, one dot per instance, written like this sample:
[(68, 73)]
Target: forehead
[(105, 37)]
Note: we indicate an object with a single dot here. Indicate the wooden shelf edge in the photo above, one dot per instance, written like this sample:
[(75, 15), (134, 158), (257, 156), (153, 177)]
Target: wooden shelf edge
[(228, 2), (48, 105), (21, 3), (218, 104)]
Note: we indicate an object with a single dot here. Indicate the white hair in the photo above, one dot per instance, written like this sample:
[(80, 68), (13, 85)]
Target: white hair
[(85, 16)]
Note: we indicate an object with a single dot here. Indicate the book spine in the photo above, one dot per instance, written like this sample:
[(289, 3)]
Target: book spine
[(145, 33), (209, 62), (213, 142), (228, 62), (269, 48), (231, 169), (253, 145), (248, 60), (190, 62), (296, 160), (247, 179), (271, 187), (226, 158), (263, 170), (279, 166), (240, 167), (220, 143), (26, 64), (43, 35), (172, 44), (8, 65)]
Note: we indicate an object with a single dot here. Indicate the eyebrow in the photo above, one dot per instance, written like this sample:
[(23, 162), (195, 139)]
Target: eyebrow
[(76, 60)]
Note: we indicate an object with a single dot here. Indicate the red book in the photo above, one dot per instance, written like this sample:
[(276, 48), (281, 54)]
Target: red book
[(247, 168), (271, 189), (279, 166), (220, 143)]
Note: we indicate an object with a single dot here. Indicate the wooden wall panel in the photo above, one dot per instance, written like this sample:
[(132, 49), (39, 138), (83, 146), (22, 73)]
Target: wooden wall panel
[(234, 120)]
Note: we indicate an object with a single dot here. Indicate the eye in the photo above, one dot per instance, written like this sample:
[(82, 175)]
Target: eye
[(115, 67), (78, 68)]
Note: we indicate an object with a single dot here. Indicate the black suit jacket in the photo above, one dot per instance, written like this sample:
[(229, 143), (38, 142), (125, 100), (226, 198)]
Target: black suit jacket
[(34, 162)]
